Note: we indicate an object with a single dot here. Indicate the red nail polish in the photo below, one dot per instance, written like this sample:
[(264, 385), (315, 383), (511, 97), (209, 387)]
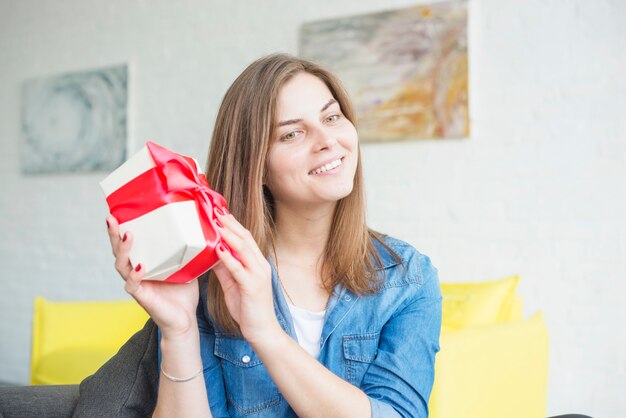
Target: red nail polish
[(226, 211), (138, 267), (221, 248), (125, 236), (218, 210), (218, 223), (108, 226)]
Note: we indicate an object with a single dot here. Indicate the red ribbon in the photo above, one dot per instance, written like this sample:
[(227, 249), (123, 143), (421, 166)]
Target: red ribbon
[(174, 178)]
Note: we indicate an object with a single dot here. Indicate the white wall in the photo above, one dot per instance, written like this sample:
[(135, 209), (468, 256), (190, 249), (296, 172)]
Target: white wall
[(539, 189)]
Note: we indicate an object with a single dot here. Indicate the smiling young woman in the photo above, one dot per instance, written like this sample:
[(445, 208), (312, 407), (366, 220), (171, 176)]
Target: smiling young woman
[(319, 315), (297, 106)]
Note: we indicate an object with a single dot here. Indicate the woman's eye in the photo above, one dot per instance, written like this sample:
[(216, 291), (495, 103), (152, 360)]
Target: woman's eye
[(333, 118), (289, 136)]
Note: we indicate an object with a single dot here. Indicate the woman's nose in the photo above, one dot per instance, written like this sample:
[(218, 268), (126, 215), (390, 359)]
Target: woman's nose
[(325, 140)]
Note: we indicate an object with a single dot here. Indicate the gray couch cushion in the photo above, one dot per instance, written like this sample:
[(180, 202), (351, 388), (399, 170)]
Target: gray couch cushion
[(127, 385), (38, 401)]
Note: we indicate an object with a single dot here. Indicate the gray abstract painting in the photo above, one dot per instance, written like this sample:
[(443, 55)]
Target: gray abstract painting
[(75, 122)]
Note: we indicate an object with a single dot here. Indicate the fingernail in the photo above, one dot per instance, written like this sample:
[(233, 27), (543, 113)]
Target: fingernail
[(108, 226), (218, 223), (138, 267), (226, 211), (125, 236), (218, 210), (221, 248)]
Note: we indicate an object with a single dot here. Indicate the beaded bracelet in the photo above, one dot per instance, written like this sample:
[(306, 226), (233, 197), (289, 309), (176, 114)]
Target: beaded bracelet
[(181, 380)]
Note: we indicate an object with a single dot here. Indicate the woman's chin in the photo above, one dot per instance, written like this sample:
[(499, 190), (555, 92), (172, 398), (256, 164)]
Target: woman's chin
[(337, 195)]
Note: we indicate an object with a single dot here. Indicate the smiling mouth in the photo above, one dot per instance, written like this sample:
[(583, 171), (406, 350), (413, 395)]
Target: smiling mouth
[(326, 167)]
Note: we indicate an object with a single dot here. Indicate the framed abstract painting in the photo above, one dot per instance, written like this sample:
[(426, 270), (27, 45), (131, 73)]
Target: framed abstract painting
[(406, 70), (75, 122)]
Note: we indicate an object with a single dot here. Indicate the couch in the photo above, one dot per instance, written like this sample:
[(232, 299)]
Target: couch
[(125, 386), (492, 363)]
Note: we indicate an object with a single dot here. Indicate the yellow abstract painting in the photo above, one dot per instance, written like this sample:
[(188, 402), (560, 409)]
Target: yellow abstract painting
[(406, 70)]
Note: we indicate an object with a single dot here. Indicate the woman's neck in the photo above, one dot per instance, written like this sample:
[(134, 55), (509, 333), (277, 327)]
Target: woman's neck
[(302, 235)]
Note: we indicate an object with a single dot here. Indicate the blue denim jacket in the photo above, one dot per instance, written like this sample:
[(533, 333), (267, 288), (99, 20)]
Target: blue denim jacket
[(385, 344)]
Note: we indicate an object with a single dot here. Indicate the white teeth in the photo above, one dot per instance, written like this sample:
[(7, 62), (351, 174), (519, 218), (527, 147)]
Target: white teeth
[(327, 167)]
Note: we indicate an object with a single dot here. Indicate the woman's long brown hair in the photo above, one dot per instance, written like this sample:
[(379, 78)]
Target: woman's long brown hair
[(236, 168)]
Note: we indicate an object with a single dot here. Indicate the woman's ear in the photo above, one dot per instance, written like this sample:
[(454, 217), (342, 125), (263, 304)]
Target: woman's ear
[(264, 178)]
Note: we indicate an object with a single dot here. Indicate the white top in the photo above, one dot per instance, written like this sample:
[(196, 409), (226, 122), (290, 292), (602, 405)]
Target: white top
[(308, 326)]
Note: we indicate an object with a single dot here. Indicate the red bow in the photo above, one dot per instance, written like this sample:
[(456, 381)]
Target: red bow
[(174, 178)]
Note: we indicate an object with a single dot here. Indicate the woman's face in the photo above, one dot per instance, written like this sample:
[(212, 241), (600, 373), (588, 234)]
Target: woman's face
[(313, 155)]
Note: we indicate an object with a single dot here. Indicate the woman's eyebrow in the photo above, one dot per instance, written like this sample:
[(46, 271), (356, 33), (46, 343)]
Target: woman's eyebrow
[(327, 105), (294, 121), (289, 122)]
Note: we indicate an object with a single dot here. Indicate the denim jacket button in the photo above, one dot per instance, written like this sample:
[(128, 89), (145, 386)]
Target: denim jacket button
[(347, 298), (246, 359)]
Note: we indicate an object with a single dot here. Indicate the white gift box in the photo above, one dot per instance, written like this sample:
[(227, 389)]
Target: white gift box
[(165, 239)]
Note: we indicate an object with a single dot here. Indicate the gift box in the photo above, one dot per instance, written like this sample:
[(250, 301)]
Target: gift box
[(164, 200)]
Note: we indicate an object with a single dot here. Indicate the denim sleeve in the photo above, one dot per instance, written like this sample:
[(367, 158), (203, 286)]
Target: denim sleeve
[(400, 379)]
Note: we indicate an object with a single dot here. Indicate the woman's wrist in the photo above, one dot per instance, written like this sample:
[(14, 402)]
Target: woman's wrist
[(173, 339), (269, 341), (179, 345), (181, 353), (180, 332)]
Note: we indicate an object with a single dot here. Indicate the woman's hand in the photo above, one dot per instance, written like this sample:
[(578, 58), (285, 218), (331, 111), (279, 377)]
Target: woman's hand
[(247, 284), (171, 305)]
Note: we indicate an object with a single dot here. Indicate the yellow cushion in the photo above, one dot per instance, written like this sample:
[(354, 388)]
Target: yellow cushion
[(69, 366), (71, 340), (515, 311), (492, 372), (477, 304)]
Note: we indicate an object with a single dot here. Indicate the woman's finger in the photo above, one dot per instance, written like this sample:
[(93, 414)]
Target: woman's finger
[(239, 236), (113, 229), (234, 267), (224, 277), (235, 243), (133, 282), (122, 260)]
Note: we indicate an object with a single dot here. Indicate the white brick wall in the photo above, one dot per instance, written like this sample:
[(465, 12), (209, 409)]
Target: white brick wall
[(539, 189)]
